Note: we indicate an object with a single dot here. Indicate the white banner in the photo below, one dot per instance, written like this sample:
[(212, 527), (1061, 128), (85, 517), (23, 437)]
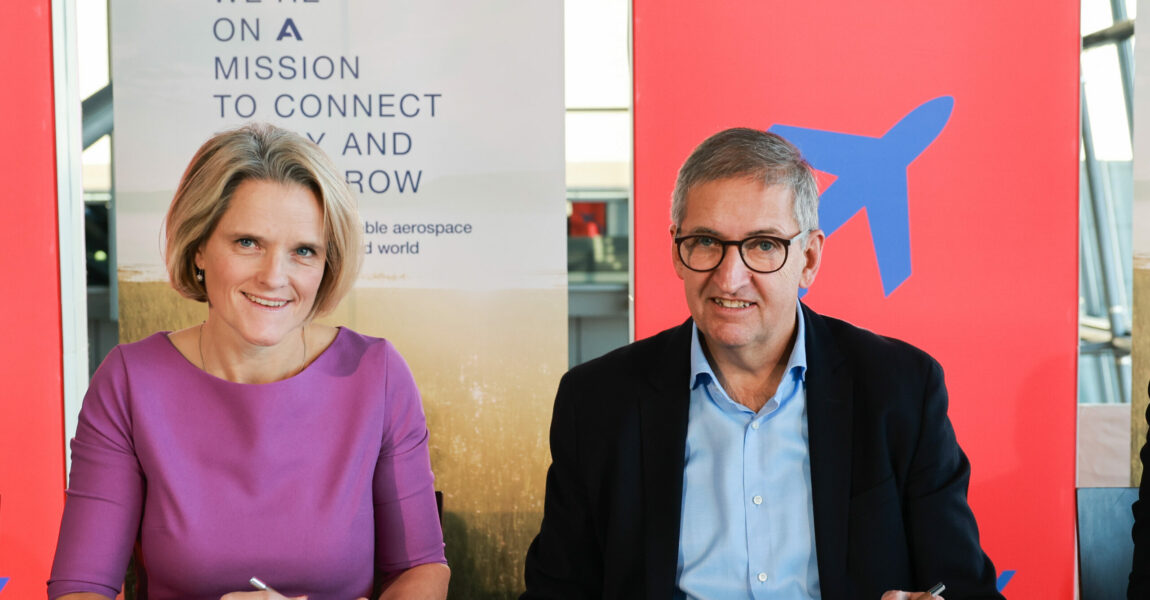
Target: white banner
[(445, 116)]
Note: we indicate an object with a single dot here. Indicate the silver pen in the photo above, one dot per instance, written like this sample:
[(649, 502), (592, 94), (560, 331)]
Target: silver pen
[(259, 585), (938, 588)]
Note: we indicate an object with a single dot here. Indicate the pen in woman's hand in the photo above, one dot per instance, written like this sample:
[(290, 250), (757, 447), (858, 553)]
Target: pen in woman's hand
[(263, 587), (260, 585)]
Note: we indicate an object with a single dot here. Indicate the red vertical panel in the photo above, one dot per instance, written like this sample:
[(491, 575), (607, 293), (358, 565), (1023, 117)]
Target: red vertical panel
[(31, 396), (990, 288)]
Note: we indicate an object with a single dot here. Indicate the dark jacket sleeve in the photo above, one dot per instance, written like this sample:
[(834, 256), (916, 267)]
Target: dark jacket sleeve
[(564, 560), (1140, 573), (942, 532), (907, 524)]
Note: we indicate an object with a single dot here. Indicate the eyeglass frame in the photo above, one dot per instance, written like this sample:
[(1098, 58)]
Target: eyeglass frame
[(784, 242)]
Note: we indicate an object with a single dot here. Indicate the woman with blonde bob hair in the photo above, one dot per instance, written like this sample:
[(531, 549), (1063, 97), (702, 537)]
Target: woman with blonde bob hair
[(258, 444)]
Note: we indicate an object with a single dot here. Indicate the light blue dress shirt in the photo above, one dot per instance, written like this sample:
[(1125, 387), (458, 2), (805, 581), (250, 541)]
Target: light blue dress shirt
[(747, 528)]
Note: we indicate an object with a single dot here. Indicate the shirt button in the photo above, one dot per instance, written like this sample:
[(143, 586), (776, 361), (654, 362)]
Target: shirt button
[(758, 500), (762, 576), (755, 425)]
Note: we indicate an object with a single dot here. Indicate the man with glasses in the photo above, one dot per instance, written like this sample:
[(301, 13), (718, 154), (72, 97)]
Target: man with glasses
[(759, 450)]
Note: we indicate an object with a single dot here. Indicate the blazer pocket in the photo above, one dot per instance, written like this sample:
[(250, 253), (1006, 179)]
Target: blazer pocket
[(875, 497)]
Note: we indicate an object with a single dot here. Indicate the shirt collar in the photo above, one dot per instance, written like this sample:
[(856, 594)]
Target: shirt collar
[(701, 371)]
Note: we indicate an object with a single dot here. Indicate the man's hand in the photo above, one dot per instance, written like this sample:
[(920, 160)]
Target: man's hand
[(896, 595)]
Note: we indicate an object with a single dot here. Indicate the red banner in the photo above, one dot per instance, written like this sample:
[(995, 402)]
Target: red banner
[(946, 136), (31, 403)]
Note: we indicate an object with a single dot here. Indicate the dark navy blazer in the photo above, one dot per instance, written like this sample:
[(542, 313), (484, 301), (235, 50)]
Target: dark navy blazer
[(888, 477)]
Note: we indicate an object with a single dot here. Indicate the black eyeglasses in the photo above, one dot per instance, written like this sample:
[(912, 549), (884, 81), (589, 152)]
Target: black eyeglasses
[(761, 253)]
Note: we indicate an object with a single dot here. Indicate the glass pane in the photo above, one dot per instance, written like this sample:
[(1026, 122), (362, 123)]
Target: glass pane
[(1106, 102), (598, 70)]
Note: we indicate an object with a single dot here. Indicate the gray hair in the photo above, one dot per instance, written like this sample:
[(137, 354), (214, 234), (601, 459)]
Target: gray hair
[(749, 153)]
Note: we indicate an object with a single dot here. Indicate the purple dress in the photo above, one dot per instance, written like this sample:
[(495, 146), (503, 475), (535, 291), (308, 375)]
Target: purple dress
[(309, 483)]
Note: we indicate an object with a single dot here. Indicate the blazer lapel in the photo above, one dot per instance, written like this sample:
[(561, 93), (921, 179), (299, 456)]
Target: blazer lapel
[(663, 408), (829, 419)]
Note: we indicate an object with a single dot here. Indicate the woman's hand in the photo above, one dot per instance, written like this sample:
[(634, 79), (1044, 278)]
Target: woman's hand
[(259, 595)]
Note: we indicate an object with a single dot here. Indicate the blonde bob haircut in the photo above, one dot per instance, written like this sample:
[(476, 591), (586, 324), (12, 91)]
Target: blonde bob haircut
[(266, 153)]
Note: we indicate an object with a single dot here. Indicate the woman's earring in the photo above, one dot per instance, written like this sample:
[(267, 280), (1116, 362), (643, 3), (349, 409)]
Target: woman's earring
[(199, 275)]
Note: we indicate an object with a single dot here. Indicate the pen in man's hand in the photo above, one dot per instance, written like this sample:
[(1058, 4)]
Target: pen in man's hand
[(937, 589)]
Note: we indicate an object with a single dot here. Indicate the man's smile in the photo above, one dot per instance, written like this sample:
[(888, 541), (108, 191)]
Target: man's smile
[(731, 303)]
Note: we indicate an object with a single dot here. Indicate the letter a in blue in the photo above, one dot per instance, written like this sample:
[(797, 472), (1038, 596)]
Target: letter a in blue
[(289, 30)]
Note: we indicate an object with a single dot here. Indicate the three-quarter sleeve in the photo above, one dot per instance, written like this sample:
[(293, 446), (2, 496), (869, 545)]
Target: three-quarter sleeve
[(407, 526), (105, 491)]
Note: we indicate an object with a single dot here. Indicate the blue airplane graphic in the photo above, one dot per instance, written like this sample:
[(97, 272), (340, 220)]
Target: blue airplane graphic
[(871, 174), (1004, 578)]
